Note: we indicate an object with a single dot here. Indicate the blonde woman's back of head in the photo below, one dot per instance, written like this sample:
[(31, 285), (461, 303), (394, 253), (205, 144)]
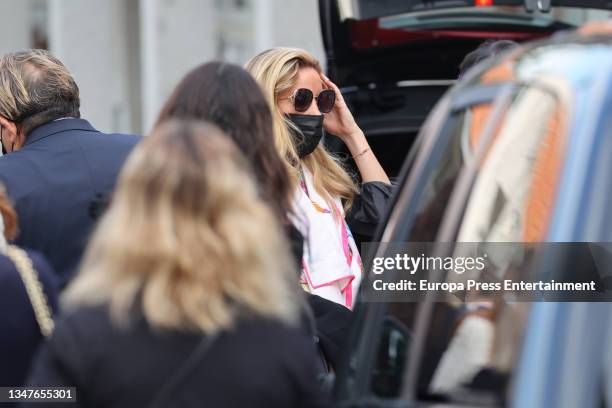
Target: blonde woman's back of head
[(187, 238), (276, 70)]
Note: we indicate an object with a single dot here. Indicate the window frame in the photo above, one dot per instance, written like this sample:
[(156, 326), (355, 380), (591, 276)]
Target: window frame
[(419, 165)]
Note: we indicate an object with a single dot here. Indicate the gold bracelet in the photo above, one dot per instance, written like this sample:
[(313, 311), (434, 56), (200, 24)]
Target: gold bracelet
[(362, 153)]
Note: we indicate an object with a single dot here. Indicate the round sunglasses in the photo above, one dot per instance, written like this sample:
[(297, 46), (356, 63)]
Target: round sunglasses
[(303, 97)]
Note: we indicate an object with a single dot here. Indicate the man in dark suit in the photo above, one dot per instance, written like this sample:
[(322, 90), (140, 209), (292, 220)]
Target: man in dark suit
[(58, 170)]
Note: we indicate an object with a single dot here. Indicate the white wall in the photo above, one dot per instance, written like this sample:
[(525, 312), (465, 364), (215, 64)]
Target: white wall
[(176, 36), (128, 58), (186, 38), (90, 38), (128, 55), (270, 23), (14, 27), (296, 24)]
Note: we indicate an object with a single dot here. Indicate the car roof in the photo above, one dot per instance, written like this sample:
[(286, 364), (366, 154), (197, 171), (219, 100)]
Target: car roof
[(572, 56)]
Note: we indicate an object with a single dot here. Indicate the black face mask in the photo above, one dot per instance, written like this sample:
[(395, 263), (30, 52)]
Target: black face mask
[(310, 134)]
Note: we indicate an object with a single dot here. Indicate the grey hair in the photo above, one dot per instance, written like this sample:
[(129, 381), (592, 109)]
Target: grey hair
[(36, 88)]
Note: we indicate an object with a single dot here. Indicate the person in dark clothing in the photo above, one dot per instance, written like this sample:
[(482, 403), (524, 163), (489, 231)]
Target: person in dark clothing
[(58, 170), (229, 97), (21, 335), (21, 331), (187, 293), (258, 363)]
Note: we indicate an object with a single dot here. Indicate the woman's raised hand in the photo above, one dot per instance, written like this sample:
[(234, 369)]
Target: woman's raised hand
[(340, 121)]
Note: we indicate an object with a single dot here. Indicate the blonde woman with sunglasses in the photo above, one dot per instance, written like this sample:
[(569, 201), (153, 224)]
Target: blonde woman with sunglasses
[(304, 104)]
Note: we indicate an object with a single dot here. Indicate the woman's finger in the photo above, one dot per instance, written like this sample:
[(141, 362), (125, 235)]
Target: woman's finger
[(329, 83), (333, 86)]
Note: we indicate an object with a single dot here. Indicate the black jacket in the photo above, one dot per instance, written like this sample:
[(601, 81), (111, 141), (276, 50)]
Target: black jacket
[(19, 331), (368, 210), (58, 181), (258, 364)]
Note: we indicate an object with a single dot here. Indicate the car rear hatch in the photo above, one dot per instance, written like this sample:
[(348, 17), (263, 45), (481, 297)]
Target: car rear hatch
[(364, 39), (394, 59)]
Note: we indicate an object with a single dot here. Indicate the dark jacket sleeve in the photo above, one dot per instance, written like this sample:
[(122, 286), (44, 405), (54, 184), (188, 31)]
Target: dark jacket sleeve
[(60, 362), (20, 334), (369, 207)]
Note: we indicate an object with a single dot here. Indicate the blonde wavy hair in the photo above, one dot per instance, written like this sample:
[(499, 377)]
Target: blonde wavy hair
[(187, 239), (276, 70)]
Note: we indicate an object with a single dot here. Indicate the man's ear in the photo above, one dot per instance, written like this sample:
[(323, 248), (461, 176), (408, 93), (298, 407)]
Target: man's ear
[(9, 129), (10, 133)]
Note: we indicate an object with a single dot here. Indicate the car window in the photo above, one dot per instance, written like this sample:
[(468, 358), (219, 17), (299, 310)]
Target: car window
[(440, 182), (509, 206), (513, 192), (395, 336), (510, 201)]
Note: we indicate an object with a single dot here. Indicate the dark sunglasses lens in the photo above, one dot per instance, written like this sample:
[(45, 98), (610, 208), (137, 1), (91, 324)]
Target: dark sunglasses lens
[(326, 100), (303, 99)]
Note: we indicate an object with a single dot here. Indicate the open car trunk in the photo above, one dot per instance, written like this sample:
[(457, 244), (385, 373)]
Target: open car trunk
[(393, 59)]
